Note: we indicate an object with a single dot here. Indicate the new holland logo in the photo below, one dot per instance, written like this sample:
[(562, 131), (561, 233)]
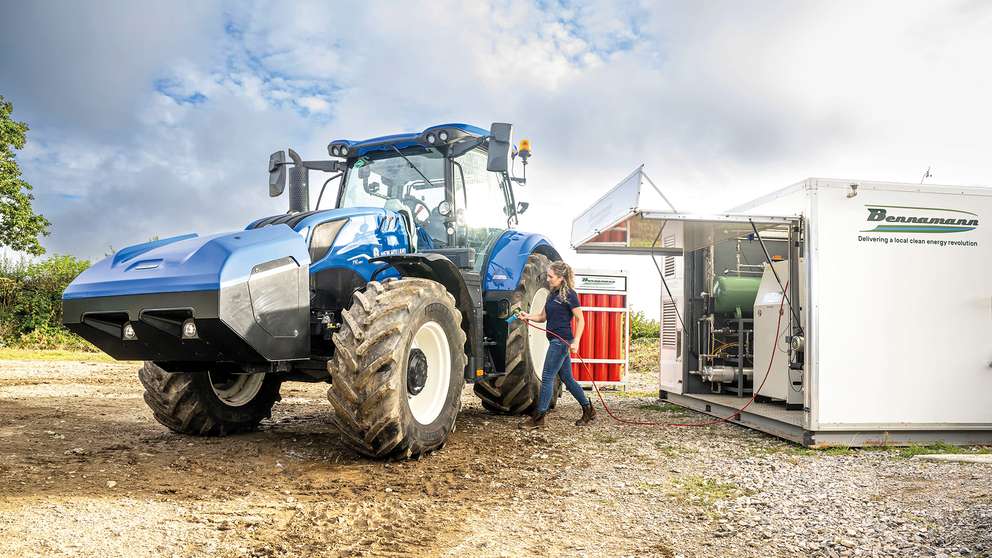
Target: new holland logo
[(904, 219)]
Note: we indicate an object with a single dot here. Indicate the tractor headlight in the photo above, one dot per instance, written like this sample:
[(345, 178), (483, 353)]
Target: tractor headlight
[(431, 139), (128, 333), (189, 329), (443, 135), (444, 208), (344, 150), (336, 151)]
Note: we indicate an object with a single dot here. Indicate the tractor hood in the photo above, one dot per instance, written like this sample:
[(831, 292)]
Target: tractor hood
[(247, 293), (186, 263)]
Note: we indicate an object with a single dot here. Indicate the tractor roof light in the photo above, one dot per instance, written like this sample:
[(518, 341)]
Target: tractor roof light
[(338, 150), (437, 137)]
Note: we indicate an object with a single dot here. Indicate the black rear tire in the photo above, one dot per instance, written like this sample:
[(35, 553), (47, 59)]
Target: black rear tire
[(374, 377), (517, 392), (188, 402)]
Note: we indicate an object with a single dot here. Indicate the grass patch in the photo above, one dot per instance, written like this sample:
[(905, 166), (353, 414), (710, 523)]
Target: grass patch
[(650, 486), (629, 393), (664, 407), (835, 450), (900, 451), (606, 439), (913, 450), (795, 449), (696, 489), (672, 451), (36, 354), (644, 354)]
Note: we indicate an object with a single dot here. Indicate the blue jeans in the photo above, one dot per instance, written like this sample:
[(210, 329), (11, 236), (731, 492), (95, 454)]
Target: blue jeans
[(557, 362)]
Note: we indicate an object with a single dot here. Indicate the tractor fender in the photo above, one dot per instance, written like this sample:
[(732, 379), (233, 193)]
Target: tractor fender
[(468, 294), (505, 261)]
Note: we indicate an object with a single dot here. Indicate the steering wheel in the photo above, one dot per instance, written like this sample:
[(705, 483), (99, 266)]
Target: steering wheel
[(415, 206)]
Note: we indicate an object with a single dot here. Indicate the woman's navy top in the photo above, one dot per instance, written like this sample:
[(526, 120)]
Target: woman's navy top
[(560, 314)]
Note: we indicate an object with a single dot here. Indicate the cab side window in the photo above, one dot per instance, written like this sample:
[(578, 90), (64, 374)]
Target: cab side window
[(480, 204)]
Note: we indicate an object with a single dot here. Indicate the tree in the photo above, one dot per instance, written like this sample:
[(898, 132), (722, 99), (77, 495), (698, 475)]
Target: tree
[(20, 226)]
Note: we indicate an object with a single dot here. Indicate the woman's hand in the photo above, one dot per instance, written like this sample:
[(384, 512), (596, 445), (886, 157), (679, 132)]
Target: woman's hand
[(524, 316), (575, 346)]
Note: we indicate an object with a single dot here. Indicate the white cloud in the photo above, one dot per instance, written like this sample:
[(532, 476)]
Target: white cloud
[(314, 104)]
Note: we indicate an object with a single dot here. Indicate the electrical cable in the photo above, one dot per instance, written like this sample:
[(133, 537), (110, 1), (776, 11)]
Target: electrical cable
[(792, 309), (768, 258), (771, 360)]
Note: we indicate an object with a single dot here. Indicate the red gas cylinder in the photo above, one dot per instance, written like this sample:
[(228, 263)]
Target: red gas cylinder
[(605, 343)]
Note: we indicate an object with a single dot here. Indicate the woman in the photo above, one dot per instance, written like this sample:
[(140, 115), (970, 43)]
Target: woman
[(561, 306)]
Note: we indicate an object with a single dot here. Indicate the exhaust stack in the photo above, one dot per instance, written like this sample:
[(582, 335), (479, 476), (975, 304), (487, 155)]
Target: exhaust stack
[(299, 185)]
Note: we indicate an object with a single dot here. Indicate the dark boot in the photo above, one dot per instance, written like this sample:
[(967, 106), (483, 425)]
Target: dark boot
[(588, 415), (534, 421)]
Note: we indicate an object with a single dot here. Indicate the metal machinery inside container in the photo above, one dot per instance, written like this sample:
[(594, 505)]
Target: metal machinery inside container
[(723, 331), (730, 300)]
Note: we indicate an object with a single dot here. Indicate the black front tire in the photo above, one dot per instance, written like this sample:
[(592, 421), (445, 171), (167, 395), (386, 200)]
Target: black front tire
[(370, 373), (518, 391), (187, 402)]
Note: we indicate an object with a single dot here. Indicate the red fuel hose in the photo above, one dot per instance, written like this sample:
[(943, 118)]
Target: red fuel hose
[(778, 331)]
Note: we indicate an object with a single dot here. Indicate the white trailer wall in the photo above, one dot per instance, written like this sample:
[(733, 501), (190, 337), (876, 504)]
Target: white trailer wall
[(901, 322)]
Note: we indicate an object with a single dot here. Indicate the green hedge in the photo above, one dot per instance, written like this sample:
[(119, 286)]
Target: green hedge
[(641, 327), (31, 303)]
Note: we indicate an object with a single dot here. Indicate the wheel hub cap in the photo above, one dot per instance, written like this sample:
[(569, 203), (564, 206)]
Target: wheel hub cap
[(416, 375)]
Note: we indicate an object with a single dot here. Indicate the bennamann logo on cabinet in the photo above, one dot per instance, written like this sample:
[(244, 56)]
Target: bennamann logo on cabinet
[(906, 219)]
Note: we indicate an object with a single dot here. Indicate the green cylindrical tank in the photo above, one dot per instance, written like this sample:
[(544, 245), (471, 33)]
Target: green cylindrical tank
[(731, 293)]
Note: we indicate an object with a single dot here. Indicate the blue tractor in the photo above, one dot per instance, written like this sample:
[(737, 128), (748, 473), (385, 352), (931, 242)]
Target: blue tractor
[(397, 296)]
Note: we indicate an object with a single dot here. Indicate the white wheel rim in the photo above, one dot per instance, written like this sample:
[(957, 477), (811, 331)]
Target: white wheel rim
[(237, 389), (537, 341), (427, 405)]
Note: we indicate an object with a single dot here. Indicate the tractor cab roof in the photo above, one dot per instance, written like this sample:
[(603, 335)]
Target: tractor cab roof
[(430, 137)]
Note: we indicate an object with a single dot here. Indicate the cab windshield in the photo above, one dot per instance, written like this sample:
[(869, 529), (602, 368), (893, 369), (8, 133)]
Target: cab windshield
[(391, 182)]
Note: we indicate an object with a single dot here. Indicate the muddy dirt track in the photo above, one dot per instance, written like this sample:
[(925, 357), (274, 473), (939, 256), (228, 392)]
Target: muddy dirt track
[(86, 471)]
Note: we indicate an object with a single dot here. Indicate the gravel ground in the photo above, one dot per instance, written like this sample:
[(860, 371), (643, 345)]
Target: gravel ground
[(87, 472)]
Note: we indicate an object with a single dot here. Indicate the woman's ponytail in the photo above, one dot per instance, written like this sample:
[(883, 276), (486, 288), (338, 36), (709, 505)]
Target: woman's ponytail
[(564, 271)]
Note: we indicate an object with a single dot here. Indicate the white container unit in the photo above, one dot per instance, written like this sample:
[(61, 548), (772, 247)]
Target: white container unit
[(900, 307), (890, 337)]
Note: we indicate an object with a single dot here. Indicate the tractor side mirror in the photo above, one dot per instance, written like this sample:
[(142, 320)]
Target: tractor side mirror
[(521, 207), (277, 173), (500, 143)]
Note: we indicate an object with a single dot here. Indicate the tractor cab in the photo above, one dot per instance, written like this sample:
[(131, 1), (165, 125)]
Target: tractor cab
[(456, 199)]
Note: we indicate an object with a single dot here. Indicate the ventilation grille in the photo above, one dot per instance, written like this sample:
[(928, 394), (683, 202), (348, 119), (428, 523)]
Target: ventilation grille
[(668, 331), (669, 242)]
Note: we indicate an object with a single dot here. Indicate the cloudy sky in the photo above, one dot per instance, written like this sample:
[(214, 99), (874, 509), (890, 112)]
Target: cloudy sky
[(158, 118)]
